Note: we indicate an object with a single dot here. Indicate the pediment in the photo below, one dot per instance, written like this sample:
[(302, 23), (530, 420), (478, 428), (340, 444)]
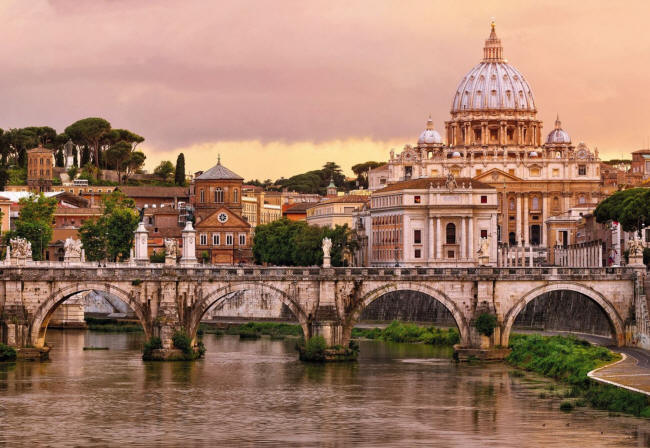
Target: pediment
[(212, 221), (496, 175)]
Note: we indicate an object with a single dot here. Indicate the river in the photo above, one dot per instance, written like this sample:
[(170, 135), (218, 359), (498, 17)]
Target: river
[(251, 393)]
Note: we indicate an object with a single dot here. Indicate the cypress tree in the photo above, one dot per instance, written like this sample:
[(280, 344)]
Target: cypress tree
[(59, 158), (179, 174)]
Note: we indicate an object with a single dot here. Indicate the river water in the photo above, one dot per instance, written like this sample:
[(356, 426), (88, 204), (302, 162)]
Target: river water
[(252, 393)]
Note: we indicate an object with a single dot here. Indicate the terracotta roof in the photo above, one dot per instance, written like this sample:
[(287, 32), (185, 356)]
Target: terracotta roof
[(219, 172), (160, 211), (424, 183), (347, 199), (40, 149), (298, 207), (164, 232), (78, 211), (154, 192)]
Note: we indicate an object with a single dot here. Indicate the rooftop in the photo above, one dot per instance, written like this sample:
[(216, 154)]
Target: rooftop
[(219, 172), (155, 192), (436, 182), (347, 199)]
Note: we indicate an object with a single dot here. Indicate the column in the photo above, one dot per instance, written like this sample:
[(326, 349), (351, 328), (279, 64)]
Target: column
[(470, 238), (526, 236), (544, 217), (463, 238), (600, 254), (518, 219), (438, 239), (430, 251), (492, 235)]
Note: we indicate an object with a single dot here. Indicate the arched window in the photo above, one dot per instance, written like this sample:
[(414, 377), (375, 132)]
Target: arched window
[(218, 195), (451, 233), (236, 195), (512, 204), (535, 203), (582, 199), (556, 202)]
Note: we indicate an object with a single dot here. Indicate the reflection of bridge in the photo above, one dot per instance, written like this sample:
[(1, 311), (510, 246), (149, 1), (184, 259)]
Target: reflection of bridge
[(326, 301)]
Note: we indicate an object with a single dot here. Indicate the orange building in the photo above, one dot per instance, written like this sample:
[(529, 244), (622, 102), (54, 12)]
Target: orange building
[(40, 164), (223, 235)]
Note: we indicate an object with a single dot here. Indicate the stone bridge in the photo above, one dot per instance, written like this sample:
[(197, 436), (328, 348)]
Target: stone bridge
[(325, 301)]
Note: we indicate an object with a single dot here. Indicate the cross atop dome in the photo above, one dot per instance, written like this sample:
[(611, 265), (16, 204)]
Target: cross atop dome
[(430, 123), (493, 51), (558, 123)]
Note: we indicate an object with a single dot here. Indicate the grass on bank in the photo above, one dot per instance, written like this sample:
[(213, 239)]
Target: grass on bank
[(254, 330), (7, 353), (405, 332), (112, 325), (568, 360)]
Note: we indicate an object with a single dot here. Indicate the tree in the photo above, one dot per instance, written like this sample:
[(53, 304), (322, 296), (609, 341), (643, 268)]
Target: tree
[(135, 162), (59, 159), (120, 154), (631, 208), (164, 170), (90, 132), (85, 155), (34, 223), (295, 243), (331, 171), (362, 169), (111, 235), (179, 174)]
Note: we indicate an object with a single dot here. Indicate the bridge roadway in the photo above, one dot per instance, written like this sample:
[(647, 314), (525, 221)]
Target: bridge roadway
[(325, 301)]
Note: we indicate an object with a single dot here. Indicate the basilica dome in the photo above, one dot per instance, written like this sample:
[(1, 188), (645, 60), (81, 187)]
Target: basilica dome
[(493, 84), (558, 136), (429, 136)]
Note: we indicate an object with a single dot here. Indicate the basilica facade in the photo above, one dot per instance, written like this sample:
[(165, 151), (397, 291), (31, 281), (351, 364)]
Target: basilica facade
[(494, 137)]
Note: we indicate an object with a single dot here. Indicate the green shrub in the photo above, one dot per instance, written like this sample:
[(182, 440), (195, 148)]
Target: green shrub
[(155, 343), (315, 349), (183, 342), (157, 257), (407, 332), (566, 406), (7, 353), (485, 324)]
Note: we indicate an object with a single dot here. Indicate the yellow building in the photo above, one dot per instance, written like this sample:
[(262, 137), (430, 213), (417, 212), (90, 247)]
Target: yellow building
[(40, 164), (335, 211)]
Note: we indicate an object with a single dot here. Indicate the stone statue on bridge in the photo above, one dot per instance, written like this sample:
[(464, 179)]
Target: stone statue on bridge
[(72, 250), (327, 247), (171, 250), (484, 251), (635, 251), (21, 248)]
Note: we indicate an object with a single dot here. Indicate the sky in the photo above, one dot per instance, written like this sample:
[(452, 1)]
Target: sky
[(281, 87)]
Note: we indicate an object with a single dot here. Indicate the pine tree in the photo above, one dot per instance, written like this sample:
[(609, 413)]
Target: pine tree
[(179, 174)]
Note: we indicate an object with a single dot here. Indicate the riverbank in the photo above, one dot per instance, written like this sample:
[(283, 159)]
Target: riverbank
[(410, 333), (569, 360), (108, 325), (254, 330)]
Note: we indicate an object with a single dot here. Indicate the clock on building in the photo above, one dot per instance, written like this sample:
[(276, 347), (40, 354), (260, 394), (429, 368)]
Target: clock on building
[(222, 217)]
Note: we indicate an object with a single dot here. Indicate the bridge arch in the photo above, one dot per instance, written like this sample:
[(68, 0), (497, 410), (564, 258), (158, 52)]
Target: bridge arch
[(223, 293), (611, 313), (43, 314), (371, 296)]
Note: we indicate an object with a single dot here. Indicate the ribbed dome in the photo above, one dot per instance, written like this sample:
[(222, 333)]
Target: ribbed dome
[(493, 84), (429, 136), (558, 135)]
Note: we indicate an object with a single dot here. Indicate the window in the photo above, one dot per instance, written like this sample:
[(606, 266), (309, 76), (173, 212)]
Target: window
[(511, 172), (434, 173), (556, 172), (242, 239), (236, 195), (512, 204), (218, 195), (417, 236), (451, 234), (534, 172), (582, 199), (416, 199), (483, 233), (451, 254), (216, 239), (535, 205), (483, 199), (582, 170), (478, 172), (455, 172), (203, 239), (229, 239), (556, 202), (418, 253), (202, 195)]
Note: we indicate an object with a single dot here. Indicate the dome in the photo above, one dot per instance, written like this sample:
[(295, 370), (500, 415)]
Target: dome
[(455, 154), (533, 154), (558, 136), (429, 136), (493, 84)]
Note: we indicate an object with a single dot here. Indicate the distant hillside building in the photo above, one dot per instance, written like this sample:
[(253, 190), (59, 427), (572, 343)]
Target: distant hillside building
[(40, 163)]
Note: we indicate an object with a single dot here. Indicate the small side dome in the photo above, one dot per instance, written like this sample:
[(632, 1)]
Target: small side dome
[(455, 154), (558, 136), (430, 136), (533, 154)]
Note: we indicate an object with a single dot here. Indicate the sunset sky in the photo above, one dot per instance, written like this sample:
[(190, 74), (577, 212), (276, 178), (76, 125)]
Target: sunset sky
[(280, 87)]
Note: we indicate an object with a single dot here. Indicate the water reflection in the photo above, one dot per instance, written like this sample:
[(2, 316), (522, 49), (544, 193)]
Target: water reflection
[(249, 392)]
